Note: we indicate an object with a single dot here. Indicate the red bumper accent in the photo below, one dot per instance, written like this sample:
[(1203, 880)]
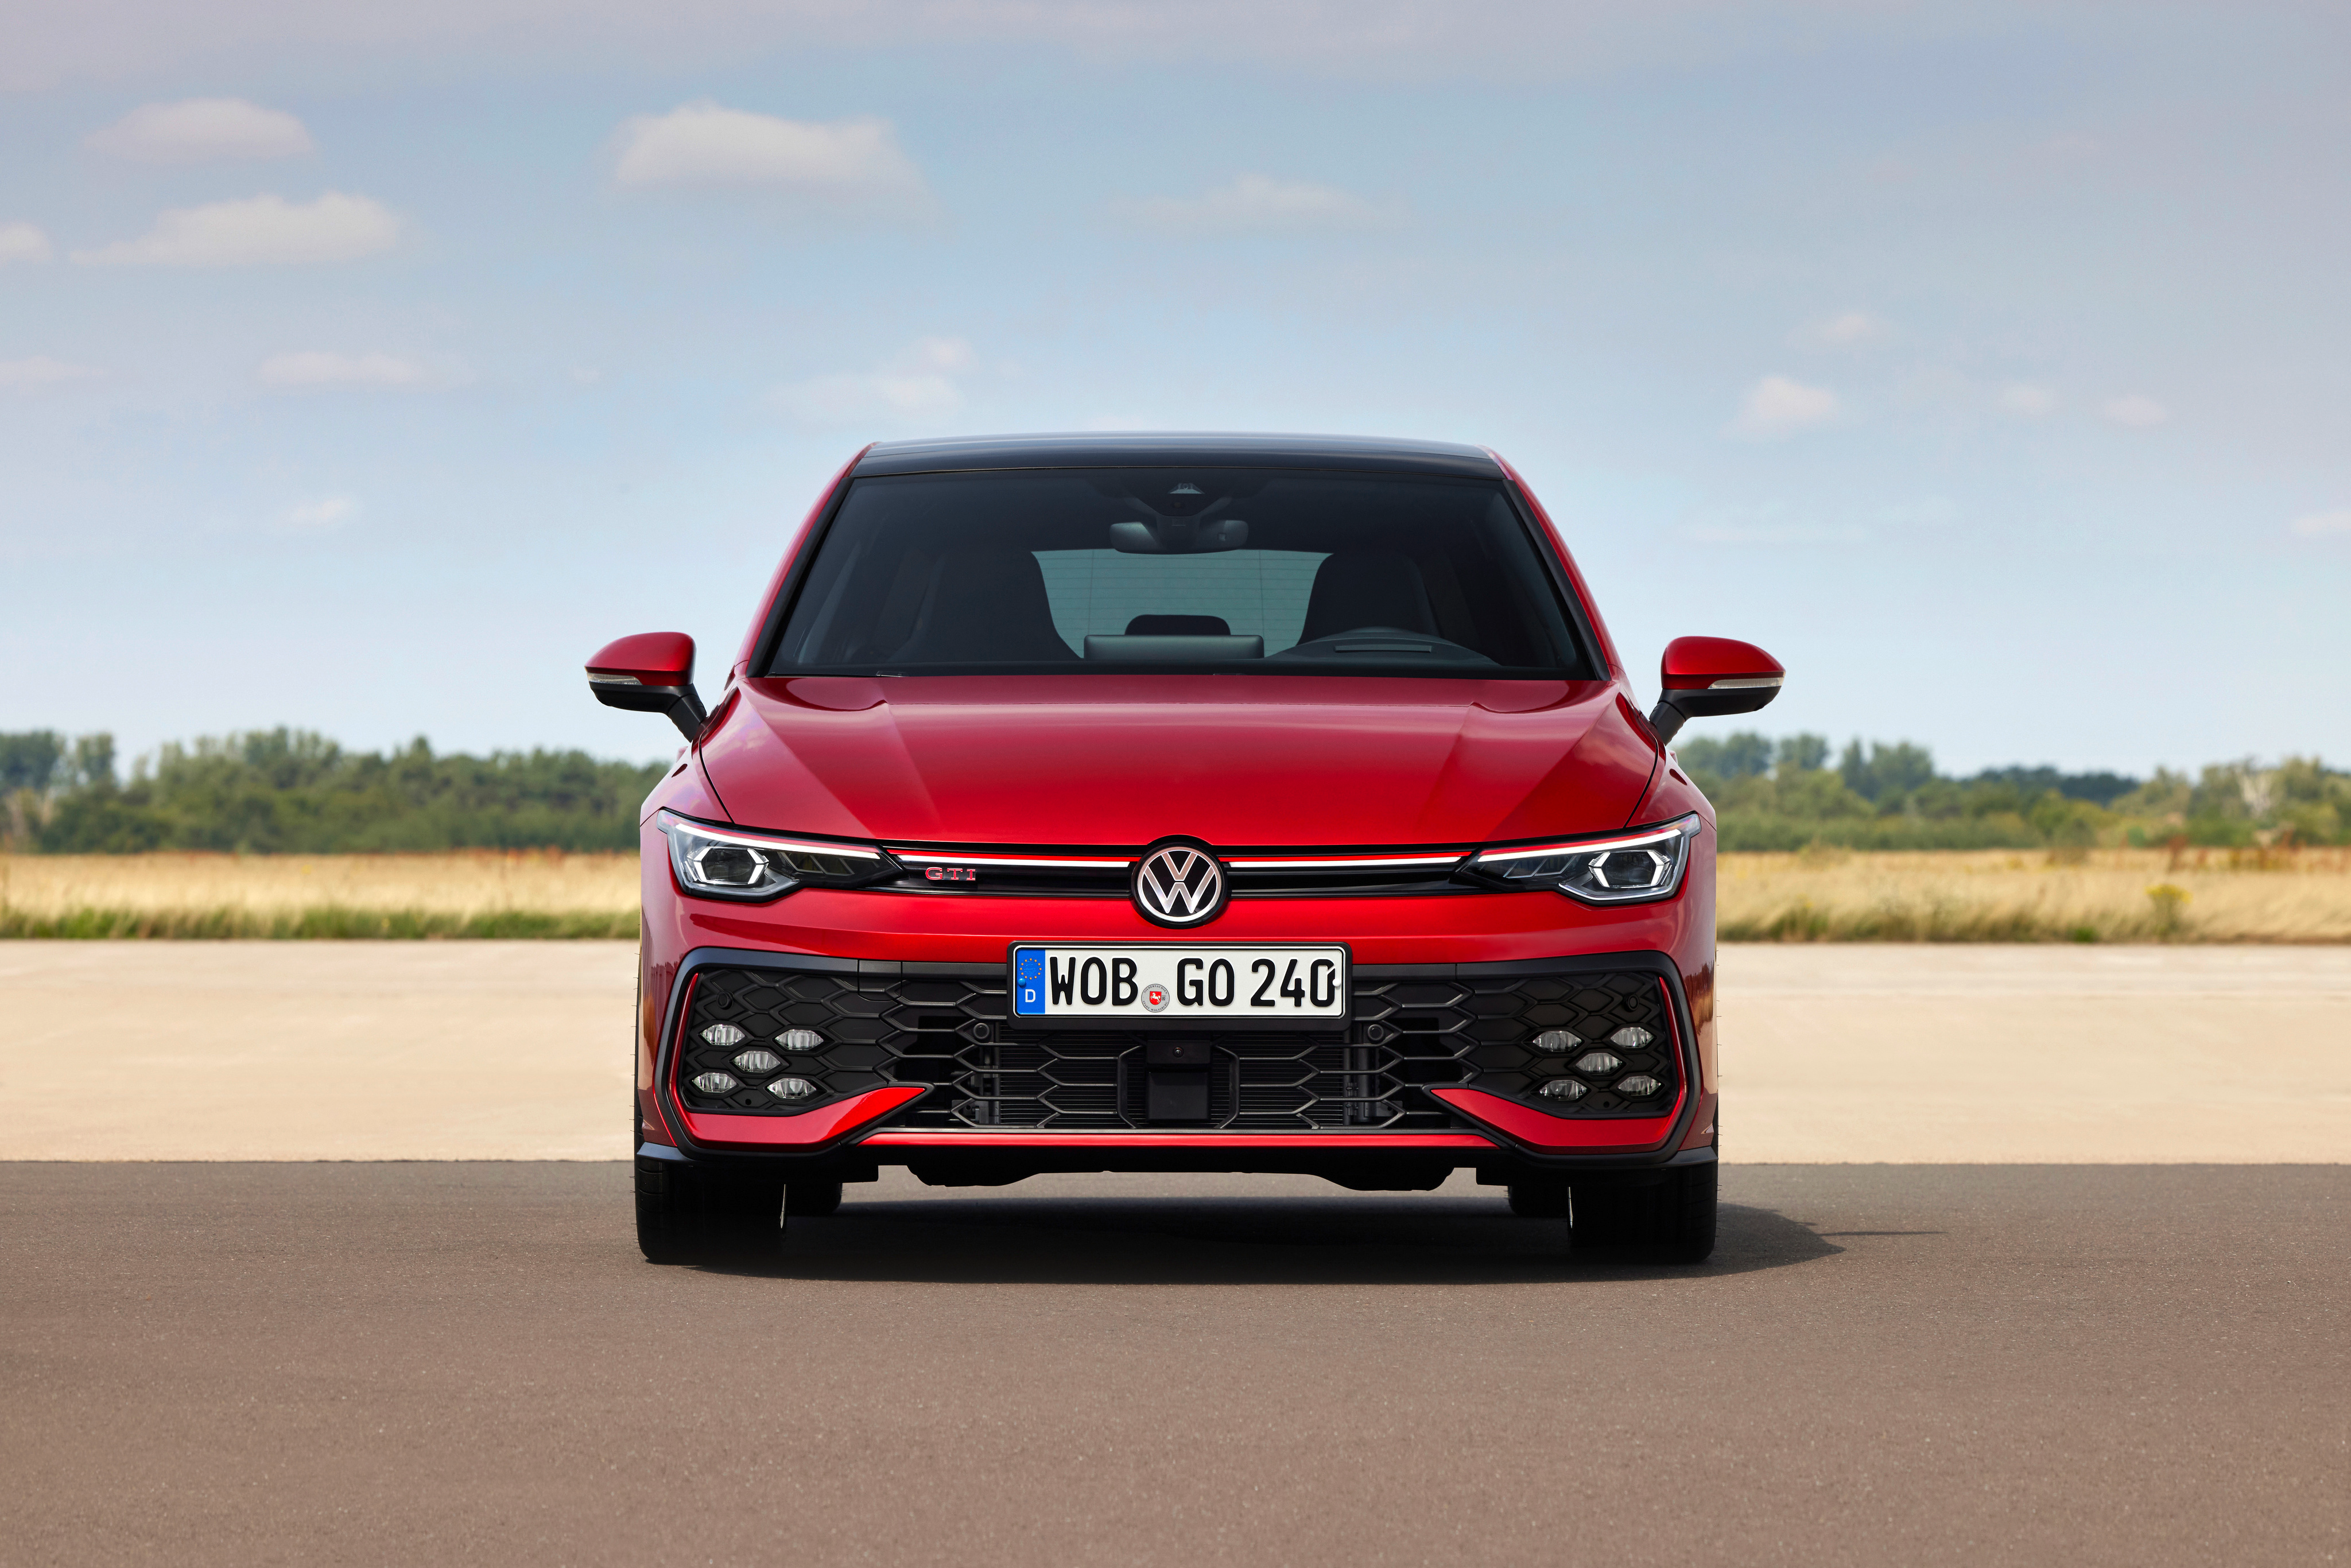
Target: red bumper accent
[(810, 1127), (1539, 1131), (1327, 1141)]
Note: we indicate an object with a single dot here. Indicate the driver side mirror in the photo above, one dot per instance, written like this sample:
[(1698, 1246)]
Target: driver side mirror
[(652, 671), (1705, 677)]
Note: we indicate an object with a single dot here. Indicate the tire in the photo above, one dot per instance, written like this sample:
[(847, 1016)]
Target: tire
[(687, 1215), (1539, 1199), (1670, 1221), (812, 1200), (690, 1215)]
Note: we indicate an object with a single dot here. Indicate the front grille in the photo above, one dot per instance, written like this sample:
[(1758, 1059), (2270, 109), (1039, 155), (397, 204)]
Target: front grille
[(965, 874), (1413, 1029)]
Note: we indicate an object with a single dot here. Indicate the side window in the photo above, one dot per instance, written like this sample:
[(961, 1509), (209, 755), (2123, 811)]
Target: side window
[(1254, 593)]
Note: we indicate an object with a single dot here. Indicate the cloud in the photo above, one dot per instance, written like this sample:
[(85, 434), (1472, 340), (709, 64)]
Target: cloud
[(1257, 205), (200, 130), (40, 374), (2137, 410), (917, 385), (2030, 402), (259, 231), (1848, 329), (318, 517), (1777, 407), (313, 371), (2319, 524), (847, 162), (22, 242)]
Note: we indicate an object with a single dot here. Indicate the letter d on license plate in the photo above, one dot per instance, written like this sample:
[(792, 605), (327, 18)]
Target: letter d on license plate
[(1188, 983)]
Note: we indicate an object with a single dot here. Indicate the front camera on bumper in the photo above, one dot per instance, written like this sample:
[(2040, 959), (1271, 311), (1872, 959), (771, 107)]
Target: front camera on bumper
[(1630, 868)]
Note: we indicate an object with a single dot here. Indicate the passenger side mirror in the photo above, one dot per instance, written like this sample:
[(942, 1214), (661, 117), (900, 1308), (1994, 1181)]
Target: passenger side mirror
[(1705, 677), (652, 671)]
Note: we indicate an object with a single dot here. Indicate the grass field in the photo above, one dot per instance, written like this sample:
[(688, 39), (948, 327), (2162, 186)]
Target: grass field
[(483, 893), (2105, 896), (2002, 896)]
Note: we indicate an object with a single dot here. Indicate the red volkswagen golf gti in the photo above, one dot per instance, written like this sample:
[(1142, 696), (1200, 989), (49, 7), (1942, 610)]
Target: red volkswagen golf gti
[(1177, 803)]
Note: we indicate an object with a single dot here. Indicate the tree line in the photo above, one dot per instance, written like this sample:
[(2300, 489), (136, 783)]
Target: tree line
[(1788, 793), (290, 790)]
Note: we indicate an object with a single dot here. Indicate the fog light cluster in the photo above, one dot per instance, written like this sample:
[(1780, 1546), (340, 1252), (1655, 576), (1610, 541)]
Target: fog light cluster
[(755, 1060), (791, 1089), (800, 1041), (1555, 1042), (1563, 1089)]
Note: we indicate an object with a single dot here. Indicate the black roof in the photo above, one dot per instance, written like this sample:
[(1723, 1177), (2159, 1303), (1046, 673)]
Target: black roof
[(1145, 449)]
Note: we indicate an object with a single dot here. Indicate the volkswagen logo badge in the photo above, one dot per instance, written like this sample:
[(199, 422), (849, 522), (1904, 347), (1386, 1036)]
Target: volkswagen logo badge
[(1178, 882)]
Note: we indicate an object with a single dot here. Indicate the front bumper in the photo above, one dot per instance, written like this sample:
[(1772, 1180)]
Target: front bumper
[(922, 1067)]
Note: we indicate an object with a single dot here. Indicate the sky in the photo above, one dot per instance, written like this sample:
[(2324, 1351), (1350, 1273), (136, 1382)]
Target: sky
[(364, 369)]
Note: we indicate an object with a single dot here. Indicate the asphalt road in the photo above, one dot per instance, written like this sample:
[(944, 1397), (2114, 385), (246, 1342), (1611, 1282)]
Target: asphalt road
[(319, 1363)]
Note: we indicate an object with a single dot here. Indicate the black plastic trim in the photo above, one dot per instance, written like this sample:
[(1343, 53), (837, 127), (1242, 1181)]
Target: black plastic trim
[(1051, 1152)]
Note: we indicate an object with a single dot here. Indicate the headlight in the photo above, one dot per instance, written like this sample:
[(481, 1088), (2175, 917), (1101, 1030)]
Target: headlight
[(1634, 868), (712, 863)]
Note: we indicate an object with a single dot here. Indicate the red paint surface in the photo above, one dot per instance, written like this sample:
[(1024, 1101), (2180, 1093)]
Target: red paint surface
[(1694, 664), (1239, 760), (654, 658), (1330, 1142), (1541, 1130), (808, 1128)]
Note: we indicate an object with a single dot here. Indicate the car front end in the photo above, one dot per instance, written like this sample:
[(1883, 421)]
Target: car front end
[(1008, 847)]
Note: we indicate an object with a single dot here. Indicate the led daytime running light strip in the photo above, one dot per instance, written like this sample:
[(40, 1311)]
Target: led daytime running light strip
[(1687, 825), (803, 846)]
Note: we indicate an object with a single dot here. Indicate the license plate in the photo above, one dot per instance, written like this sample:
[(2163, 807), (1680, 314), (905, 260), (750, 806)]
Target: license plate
[(1181, 983)]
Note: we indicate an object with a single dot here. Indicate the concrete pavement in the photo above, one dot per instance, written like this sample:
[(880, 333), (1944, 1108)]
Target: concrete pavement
[(377, 1051)]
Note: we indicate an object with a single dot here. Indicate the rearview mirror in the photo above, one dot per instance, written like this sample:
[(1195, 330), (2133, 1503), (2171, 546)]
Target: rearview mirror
[(652, 671), (1705, 677)]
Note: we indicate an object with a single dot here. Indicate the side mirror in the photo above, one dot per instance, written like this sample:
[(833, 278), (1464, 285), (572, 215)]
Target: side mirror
[(652, 671), (1703, 677)]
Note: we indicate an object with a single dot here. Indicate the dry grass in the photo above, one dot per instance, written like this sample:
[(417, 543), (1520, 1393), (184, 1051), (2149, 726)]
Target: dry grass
[(482, 892), (2006, 896), (1993, 895)]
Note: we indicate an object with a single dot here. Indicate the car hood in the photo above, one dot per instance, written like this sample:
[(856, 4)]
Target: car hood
[(1120, 760)]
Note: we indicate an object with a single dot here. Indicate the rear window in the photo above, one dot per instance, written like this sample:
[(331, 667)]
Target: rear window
[(1178, 569)]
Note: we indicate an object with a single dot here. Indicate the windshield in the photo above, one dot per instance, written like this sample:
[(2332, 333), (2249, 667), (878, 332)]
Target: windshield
[(1275, 570)]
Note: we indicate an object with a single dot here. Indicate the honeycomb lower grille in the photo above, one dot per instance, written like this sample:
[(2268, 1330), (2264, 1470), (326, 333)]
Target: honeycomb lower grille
[(1412, 1030)]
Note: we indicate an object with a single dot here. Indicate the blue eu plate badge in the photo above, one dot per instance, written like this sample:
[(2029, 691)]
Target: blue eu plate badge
[(1028, 980)]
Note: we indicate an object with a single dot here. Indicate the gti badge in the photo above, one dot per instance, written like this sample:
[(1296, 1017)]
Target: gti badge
[(1178, 882)]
